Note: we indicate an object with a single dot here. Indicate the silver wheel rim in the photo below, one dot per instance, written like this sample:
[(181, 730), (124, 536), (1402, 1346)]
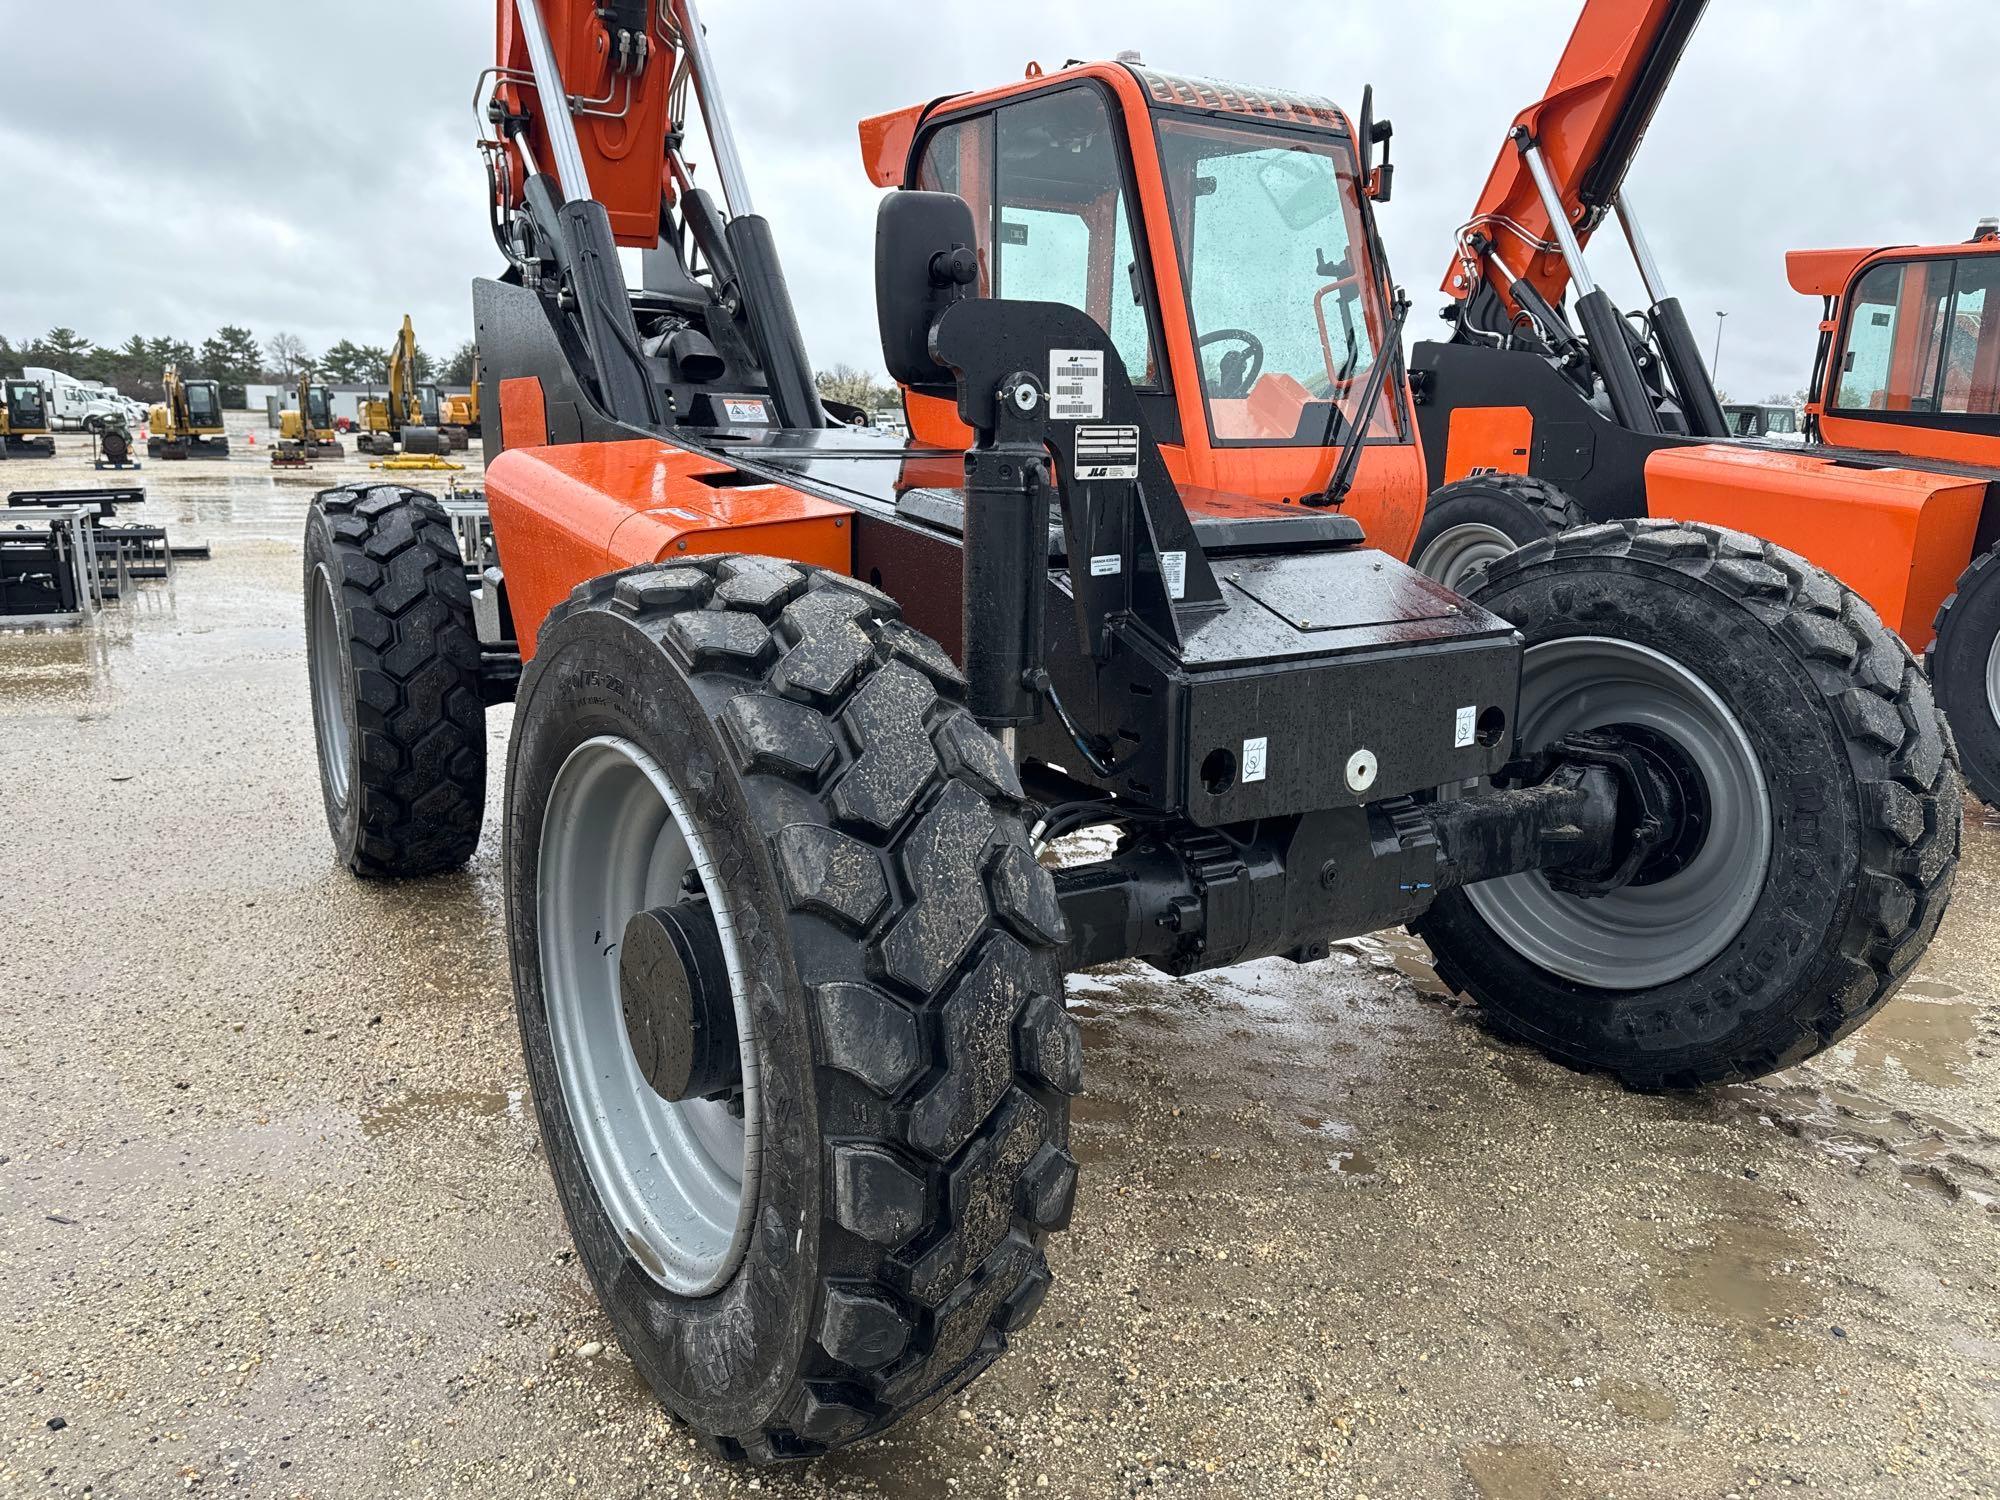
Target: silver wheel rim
[(678, 1181), (1645, 935), (1457, 550), (332, 717), (1993, 679)]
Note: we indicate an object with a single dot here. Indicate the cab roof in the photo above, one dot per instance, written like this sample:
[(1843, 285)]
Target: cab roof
[(1828, 273), (886, 138)]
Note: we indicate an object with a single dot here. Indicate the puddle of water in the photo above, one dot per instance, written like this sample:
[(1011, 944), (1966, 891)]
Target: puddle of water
[(1747, 1275), (1641, 1403), (422, 1106), (1344, 1160), (1926, 1034), (1517, 1471), (1396, 951)]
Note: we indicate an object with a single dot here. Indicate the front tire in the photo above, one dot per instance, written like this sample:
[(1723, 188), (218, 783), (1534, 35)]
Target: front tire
[(1472, 522), (1964, 663), (393, 658), (1827, 830), (772, 741)]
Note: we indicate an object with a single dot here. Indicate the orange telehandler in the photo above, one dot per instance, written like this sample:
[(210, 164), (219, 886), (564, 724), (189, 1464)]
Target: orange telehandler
[(797, 705), (1541, 411)]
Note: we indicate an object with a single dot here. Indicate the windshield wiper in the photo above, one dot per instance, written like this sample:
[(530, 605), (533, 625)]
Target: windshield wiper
[(1388, 355)]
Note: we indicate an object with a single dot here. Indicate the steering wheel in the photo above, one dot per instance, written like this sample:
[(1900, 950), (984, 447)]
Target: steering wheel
[(1240, 367)]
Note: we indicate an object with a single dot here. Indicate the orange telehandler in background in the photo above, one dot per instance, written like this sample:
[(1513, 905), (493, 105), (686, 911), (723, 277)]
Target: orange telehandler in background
[(1544, 410), (796, 705)]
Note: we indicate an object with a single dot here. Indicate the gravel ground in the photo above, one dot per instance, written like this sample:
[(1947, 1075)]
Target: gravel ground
[(274, 1219)]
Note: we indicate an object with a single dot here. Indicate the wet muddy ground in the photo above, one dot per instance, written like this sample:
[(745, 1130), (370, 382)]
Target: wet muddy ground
[(274, 1220)]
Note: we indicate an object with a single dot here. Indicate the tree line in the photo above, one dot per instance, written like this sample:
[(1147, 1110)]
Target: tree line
[(231, 356)]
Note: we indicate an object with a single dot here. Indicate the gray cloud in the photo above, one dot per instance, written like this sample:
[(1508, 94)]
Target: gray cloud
[(206, 163)]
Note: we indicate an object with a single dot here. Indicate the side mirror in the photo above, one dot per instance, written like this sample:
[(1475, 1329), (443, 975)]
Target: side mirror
[(925, 259), (1376, 182)]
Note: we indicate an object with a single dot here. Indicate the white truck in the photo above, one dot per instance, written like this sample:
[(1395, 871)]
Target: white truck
[(78, 405)]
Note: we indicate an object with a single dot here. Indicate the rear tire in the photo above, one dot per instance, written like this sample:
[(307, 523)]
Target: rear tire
[(1475, 521), (393, 660), (1964, 663), (861, 842), (1831, 755)]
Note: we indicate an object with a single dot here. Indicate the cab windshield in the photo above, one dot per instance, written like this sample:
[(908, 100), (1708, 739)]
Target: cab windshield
[(201, 403), (25, 400), (1284, 297), (316, 407)]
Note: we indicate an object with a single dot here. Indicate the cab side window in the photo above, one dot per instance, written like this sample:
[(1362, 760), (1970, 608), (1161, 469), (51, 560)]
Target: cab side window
[(1896, 338), (1972, 340), (1047, 188)]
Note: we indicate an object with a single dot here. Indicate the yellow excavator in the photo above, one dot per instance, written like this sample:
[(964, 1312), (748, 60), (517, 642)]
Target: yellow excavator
[(24, 420), (187, 420), (461, 413), (402, 418), (306, 431)]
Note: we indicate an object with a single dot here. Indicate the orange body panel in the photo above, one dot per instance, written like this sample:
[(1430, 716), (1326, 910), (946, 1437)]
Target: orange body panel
[(1913, 442), (1487, 439), (565, 514), (1823, 273), (524, 414), (1897, 537)]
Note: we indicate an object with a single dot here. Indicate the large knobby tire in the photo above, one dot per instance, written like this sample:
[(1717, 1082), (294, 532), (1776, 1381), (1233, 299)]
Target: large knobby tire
[(1806, 734), (1964, 663), (393, 658), (901, 1145), (1475, 521)]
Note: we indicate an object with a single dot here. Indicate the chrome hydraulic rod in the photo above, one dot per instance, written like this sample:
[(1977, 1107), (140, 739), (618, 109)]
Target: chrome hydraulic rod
[(1572, 252), (568, 164), (1642, 253), (714, 115)]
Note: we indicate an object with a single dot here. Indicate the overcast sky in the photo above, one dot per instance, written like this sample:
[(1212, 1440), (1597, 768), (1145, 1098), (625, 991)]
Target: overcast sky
[(310, 168)]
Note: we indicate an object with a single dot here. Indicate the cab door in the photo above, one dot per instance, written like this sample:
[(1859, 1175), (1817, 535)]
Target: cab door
[(1048, 176)]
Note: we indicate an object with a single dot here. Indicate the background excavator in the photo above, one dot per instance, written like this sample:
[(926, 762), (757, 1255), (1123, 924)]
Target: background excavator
[(796, 704), (1545, 409), (400, 420), (305, 429), (24, 420), (187, 420), (460, 413)]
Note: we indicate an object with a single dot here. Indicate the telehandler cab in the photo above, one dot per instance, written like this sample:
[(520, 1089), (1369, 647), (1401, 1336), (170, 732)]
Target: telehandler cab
[(797, 707)]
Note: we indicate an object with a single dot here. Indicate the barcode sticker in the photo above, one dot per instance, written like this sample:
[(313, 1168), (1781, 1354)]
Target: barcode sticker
[(1107, 453), (1173, 567), (1076, 385)]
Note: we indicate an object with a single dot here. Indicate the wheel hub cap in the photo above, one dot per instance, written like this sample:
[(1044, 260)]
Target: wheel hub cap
[(677, 1178), (1457, 550), (1690, 909)]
